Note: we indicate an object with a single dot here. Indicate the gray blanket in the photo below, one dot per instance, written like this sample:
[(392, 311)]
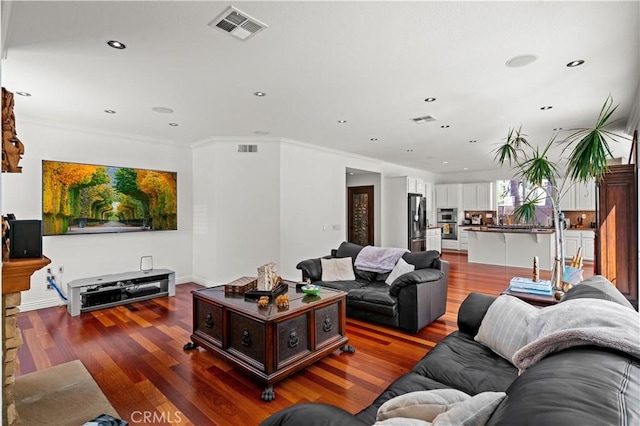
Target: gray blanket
[(579, 322), (378, 259)]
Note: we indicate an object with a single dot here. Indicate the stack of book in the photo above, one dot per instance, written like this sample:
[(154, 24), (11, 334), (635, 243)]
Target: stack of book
[(527, 285)]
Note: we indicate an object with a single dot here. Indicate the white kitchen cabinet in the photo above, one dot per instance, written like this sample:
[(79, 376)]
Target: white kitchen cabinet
[(579, 197), (585, 196), (447, 195), (574, 239), (463, 235), (411, 185), (478, 196), (434, 239), (450, 244), (588, 245), (420, 186), (571, 243)]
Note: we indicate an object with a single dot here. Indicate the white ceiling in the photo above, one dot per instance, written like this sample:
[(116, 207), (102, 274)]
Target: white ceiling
[(370, 63)]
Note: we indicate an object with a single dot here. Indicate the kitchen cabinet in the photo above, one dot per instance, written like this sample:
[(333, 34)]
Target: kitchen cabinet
[(412, 184), (575, 239), (447, 195), (478, 196), (434, 239), (579, 196), (464, 237), (420, 186), (585, 196), (450, 244)]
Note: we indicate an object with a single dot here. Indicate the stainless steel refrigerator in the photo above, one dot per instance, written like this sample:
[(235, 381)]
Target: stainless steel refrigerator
[(417, 222)]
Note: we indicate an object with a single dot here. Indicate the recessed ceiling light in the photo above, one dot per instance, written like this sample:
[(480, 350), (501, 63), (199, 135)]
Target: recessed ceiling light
[(466, 168), (173, 124), (473, 141), (342, 121), (162, 110), (575, 63), (409, 150), (373, 139), (116, 44), (109, 111), (521, 61), (259, 94), (557, 129), (430, 99), (27, 94), (261, 132), (445, 162), (544, 108), (446, 126)]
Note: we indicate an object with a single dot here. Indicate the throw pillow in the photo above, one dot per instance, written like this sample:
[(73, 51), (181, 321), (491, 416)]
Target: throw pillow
[(423, 405), (402, 421), (401, 267), (475, 411), (504, 328), (340, 269)]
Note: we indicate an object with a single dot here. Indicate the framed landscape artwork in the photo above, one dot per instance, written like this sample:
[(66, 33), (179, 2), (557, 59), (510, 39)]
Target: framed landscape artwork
[(91, 199)]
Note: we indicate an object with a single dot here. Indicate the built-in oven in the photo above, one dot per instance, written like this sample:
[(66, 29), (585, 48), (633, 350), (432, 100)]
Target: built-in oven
[(448, 223)]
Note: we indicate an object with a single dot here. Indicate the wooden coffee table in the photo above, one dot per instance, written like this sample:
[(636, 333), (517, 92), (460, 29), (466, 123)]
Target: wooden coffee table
[(269, 343), (533, 299)]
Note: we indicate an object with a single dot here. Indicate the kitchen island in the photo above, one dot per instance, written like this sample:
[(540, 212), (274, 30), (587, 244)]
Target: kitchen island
[(511, 246)]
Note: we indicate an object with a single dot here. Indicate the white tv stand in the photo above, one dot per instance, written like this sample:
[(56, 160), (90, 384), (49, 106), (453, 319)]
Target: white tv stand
[(89, 294)]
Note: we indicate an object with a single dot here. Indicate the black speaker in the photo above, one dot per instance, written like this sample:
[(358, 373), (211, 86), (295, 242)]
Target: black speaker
[(25, 239)]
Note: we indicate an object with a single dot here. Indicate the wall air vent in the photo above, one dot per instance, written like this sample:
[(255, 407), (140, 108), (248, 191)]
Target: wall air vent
[(247, 148), (238, 24), (425, 119)]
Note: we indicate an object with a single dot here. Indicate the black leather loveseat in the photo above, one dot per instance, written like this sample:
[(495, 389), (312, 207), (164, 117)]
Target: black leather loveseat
[(412, 301), (584, 384)]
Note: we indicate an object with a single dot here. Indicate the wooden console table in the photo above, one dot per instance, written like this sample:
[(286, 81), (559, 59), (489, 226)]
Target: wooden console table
[(269, 343)]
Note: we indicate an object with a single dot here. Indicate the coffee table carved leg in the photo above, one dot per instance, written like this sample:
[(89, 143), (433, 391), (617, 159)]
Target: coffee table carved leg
[(190, 346), (348, 348), (268, 394)]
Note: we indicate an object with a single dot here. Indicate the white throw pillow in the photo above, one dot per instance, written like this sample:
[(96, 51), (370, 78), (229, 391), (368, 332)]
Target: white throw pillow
[(475, 411), (423, 405), (504, 327), (402, 267), (340, 269)]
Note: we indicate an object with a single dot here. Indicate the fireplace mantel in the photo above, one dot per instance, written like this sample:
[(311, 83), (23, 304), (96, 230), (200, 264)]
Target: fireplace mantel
[(16, 273)]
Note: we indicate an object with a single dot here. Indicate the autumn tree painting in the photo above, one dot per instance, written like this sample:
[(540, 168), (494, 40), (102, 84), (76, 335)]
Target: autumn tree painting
[(83, 199)]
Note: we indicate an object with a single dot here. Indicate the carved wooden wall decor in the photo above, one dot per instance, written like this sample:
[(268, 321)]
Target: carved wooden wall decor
[(12, 148)]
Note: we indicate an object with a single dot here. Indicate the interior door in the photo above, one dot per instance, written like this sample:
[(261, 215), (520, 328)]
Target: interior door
[(361, 218)]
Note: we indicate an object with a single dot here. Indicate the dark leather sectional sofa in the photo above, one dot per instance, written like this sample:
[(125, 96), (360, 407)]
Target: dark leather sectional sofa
[(414, 299), (581, 385)]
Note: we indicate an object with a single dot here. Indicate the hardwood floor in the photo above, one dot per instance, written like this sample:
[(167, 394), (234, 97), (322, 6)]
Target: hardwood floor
[(134, 353)]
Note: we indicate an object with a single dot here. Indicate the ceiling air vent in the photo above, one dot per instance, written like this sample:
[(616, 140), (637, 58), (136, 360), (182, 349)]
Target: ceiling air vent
[(425, 119), (238, 24), (247, 148)]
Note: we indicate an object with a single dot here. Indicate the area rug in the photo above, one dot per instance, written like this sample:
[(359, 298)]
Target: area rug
[(62, 395)]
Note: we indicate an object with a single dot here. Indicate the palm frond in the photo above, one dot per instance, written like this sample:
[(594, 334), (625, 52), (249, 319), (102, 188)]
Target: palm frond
[(526, 213), (590, 147)]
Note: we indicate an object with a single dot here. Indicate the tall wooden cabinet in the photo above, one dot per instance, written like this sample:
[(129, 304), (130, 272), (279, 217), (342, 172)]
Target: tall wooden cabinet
[(617, 234)]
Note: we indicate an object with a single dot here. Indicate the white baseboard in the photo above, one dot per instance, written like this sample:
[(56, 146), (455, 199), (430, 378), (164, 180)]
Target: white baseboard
[(41, 304)]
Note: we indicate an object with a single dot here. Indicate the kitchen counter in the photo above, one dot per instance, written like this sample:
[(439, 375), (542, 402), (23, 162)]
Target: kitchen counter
[(511, 246), (510, 230)]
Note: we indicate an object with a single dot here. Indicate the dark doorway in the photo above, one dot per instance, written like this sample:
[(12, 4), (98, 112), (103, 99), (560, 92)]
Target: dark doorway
[(361, 215)]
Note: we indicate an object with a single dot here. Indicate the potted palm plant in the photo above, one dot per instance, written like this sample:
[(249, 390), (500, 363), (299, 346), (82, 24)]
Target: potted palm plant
[(587, 153)]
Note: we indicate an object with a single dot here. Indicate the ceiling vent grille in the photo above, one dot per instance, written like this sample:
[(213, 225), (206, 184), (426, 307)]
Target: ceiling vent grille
[(247, 148), (425, 119), (238, 24)]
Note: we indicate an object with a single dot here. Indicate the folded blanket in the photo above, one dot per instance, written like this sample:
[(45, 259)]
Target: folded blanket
[(579, 322), (378, 259)]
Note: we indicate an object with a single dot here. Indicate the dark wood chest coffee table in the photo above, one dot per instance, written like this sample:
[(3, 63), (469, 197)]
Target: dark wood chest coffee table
[(269, 343)]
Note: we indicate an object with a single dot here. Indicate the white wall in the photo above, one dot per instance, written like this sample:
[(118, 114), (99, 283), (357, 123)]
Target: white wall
[(236, 210), (91, 255), (368, 179)]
